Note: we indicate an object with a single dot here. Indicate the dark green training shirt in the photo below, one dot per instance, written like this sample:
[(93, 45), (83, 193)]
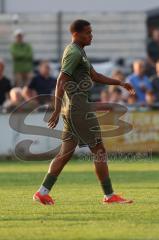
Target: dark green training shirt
[(76, 64)]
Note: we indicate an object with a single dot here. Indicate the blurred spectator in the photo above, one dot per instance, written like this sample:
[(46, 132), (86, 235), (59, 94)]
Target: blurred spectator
[(132, 103), (118, 74), (153, 48), (116, 96), (42, 83), (113, 95), (150, 98), (104, 96), (152, 52), (5, 85), (132, 99), (155, 83), (22, 55), (140, 81), (16, 99)]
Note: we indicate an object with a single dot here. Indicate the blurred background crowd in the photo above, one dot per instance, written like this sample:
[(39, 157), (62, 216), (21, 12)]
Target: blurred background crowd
[(30, 80)]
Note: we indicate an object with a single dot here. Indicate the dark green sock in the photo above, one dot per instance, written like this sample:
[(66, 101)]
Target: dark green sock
[(49, 181), (107, 186)]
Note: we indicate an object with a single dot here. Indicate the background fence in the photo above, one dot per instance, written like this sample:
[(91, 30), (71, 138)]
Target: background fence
[(116, 35)]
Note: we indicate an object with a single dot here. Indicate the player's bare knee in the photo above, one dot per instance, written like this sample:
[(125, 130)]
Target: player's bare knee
[(99, 154), (98, 148)]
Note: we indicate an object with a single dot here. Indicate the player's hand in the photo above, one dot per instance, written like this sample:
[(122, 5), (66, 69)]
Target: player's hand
[(53, 120), (129, 88)]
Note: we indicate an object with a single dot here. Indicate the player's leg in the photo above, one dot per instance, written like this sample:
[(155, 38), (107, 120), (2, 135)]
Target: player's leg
[(102, 172), (101, 168), (56, 166), (65, 154)]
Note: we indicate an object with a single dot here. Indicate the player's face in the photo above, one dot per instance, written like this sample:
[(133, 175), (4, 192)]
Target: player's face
[(86, 36)]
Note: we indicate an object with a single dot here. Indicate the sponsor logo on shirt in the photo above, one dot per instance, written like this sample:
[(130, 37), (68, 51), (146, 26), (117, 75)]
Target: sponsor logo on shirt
[(84, 59)]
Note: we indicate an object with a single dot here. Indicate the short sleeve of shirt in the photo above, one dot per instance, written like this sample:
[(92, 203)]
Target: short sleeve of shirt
[(71, 59)]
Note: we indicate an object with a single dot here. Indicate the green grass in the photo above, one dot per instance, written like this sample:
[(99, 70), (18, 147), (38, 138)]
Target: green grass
[(78, 213)]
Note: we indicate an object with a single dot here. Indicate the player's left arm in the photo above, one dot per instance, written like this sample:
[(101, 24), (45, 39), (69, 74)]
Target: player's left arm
[(100, 78)]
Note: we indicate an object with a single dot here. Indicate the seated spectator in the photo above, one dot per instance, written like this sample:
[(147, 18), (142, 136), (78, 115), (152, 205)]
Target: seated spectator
[(140, 81), (16, 99), (41, 84), (150, 98), (104, 96), (131, 100), (118, 74), (116, 96), (155, 83), (153, 48), (5, 85), (152, 52), (22, 56)]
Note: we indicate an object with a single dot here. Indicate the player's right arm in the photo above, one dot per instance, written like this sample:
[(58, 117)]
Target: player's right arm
[(70, 61), (59, 92)]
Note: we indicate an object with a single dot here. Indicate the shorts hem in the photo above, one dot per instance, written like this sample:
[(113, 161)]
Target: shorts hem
[(98, 140)]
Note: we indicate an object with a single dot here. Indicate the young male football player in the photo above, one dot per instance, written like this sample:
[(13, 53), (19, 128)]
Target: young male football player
[(72, 89)]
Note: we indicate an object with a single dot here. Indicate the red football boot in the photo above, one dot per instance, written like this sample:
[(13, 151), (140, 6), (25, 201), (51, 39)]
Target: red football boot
[(43, 199), (116, 199)]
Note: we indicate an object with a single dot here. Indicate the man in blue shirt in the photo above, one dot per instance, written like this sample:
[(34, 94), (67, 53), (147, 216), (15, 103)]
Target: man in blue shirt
[(140, 81), (42, 83)]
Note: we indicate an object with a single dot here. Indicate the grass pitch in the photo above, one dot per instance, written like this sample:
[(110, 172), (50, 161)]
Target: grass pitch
[(79, 213)]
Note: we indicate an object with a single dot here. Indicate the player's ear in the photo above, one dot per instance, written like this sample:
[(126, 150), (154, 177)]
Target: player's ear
[(74, 34)]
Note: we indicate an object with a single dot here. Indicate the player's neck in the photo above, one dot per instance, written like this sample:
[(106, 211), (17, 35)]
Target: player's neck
[(78, 43)]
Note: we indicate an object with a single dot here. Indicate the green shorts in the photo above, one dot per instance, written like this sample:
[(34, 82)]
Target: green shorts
[(87, 132)]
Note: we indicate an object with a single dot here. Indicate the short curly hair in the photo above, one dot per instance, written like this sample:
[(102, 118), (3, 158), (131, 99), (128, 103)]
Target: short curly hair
[(78, 25)]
